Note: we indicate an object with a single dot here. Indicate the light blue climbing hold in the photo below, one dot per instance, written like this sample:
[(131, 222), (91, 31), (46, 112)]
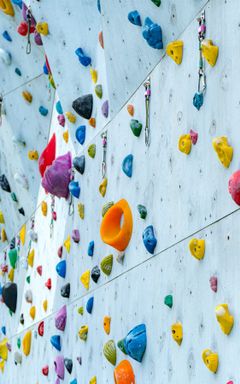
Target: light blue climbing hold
[(198, 100), (56, 342), (59, 108), (135, 18), (43, 111), (74, 188), (6, 36), (152, 33), (18, 72), (17, 2), (89, 305), (3, 329), (45, 69), (84, 60), (127, 165), (74, 381), (61, 268), (81, 134), (135, 342), (91, 248), (149, 239), (99, 6)]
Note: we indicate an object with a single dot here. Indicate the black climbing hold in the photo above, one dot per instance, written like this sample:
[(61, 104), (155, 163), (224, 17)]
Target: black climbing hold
[(21, 319), (21, 210), (9, 295), (83, 105), (12, 243), (68, 365), (95, 273), (79, 164), (4, 184), (65, 290)]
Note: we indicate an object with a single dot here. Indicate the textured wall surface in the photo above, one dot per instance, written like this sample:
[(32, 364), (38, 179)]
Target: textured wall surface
[(185, 196)]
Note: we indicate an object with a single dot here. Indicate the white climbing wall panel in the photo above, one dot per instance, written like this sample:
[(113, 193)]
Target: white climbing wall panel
[(185, 196)]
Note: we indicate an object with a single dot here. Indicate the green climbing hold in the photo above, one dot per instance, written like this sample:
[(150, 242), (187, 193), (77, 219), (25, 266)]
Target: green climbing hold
[(168, 301), (98, 91), (13, 254), (28, 279), (106, 207), (14, 197), (80, 310), (157, 2), (19, 343), (106, 264), (120, 345), (142, 210), (109, 351), (136, 127), (92, 150)]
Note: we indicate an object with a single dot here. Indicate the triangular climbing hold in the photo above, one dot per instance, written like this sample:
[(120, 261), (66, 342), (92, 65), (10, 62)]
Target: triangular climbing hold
[(32, 312), (175, 51), (22, 234), (85, 279), (30, 258)]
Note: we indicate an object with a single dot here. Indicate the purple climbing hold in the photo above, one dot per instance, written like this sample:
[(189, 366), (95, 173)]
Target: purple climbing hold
[(152, 33), (61, 318), (84, 60), (61, 120), (37, 38), (59, 367), (135, 18), (105, 109), (76, 236)]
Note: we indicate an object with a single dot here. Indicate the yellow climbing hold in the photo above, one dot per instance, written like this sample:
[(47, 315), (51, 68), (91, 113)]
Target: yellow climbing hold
[(197, 248), (81, 210), (103, 187), (85, 279), (94, 75), (93, 380), (185, 143), (45, 305), (3, 235), (223, 150), (71, 117), (107, 324), (26, 343), (67, 244), (224, 318), (11, 275), (27, 95), (66, 136), (210, 359), (209, 51), (32, 312), (83, 332), (22, 234), (177, 332), (44, 208), (4, 349), (2, 221), (42, 28), (6, 7), (2, 365), (175, 51), (30, 258), (33, 155)]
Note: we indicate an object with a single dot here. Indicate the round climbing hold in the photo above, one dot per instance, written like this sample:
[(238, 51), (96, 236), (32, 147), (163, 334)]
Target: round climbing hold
[(61, 120), (83, 332), (33, 155), (26, 343), (127, 165), (59, 108), (110, 352), (76, 236), (123, 373), (42, 28), (177, 333), (103, 187), (223, 150), (185, 144), (213, 283), (152, 33), (71, 117), (106, 264), (224, 318), (234, 186), (198, 100), (136, 127), (107, 324), (135, 18), (61, 268), (41, 328), (43, 111), (210, 359), (48, 284), (92, 150), (85, 279), (105, 109), (197, 248), (149, 239), (142, 211)]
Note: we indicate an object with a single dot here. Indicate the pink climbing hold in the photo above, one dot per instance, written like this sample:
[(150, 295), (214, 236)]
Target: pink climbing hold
[(61, 318), (61, 120), (234, 186), (213, 283), (76, 235), (59, 367), (194, 136)]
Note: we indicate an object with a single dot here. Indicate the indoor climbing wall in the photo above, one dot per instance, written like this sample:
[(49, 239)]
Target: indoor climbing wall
[(119, 191)]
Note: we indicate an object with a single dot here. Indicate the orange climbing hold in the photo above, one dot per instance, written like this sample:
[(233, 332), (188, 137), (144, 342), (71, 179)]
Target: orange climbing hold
[(92, 122), (107, 324), (112, 231), (130, 109), (6, 7), (123, 373), (27, 95), (100, 39)]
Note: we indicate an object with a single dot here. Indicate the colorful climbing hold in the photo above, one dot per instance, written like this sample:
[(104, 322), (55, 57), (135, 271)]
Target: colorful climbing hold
[(105, 109), (71, 117), (42, 28), (92, 122), (89, 305), (185, 143), (198, 100), (66, 136), (65, 290), (67, 244), (85, 279), (92, 150), (26, 343), (177, 332), (99, 91), (6, 7), (48, 155), (103, 187), (223, 150), (136, 127), (91, 248), (135, 18), (59, 367), (197, 248), (123, 373), (94, 75), (27, 96), (234, 187), (152, 33), (100, 39), (168, 301), (106, 264), (30, 257), (68, 365), (84, 59), (45, 305), (81, 134), (157, 2), (194, 136), (95, 273), (224, 318), (43, 111), (74, 189), (41, 328), (210, 359), (83, 332), (110, 352), (209, 51), (61, 318), (56, 342), (149, 239), (81, 210), (6, 36), (32, 312), (44, 208), (213, 283), (175, 51), (127, 165), (142, 211), (76, 236), (61, 268), (107, 324), (135, 342)]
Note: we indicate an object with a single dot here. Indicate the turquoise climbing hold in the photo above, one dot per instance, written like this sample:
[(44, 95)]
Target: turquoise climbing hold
[(168, 301), (89, 305), (74, 188), (135, 18), (198, 100), (59, 108), (135, 342), (99, 6), (43, 111), (84, 59), (61, 268), (3, 329), (149, 239), (142, 210), (56, 342), (152, 33), (18, 72), (136, 127), (91, 248), (74, 381), (127, 165), (81, 134)]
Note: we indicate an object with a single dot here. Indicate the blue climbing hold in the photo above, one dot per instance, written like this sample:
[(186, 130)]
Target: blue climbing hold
[(18, 72), (1, 288), (61, 268), (198, 100), (17, 2), (74, 188), (59, 108), (99, 6), (152, 33), (135, 342), (84, 60), (135, 18), (149, 239), (127, 165), (45, 69), (81, 134), (56, 342), (3, 329), (74, 381), (43, 111), (6, 36), (89, 305), (91, 248)]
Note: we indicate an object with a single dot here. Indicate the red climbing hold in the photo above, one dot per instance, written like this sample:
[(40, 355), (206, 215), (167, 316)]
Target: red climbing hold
[(48, 284), (39, 270), (41, 328), (48, 155), (23, 29), (234, 187), (45, 370)]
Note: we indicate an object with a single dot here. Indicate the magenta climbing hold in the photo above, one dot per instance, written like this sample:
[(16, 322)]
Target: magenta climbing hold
[(194, 136), (59, 367), (213, 283), (234, 186), (61, 120), (57, 177), (48, 155), (61, 318)]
